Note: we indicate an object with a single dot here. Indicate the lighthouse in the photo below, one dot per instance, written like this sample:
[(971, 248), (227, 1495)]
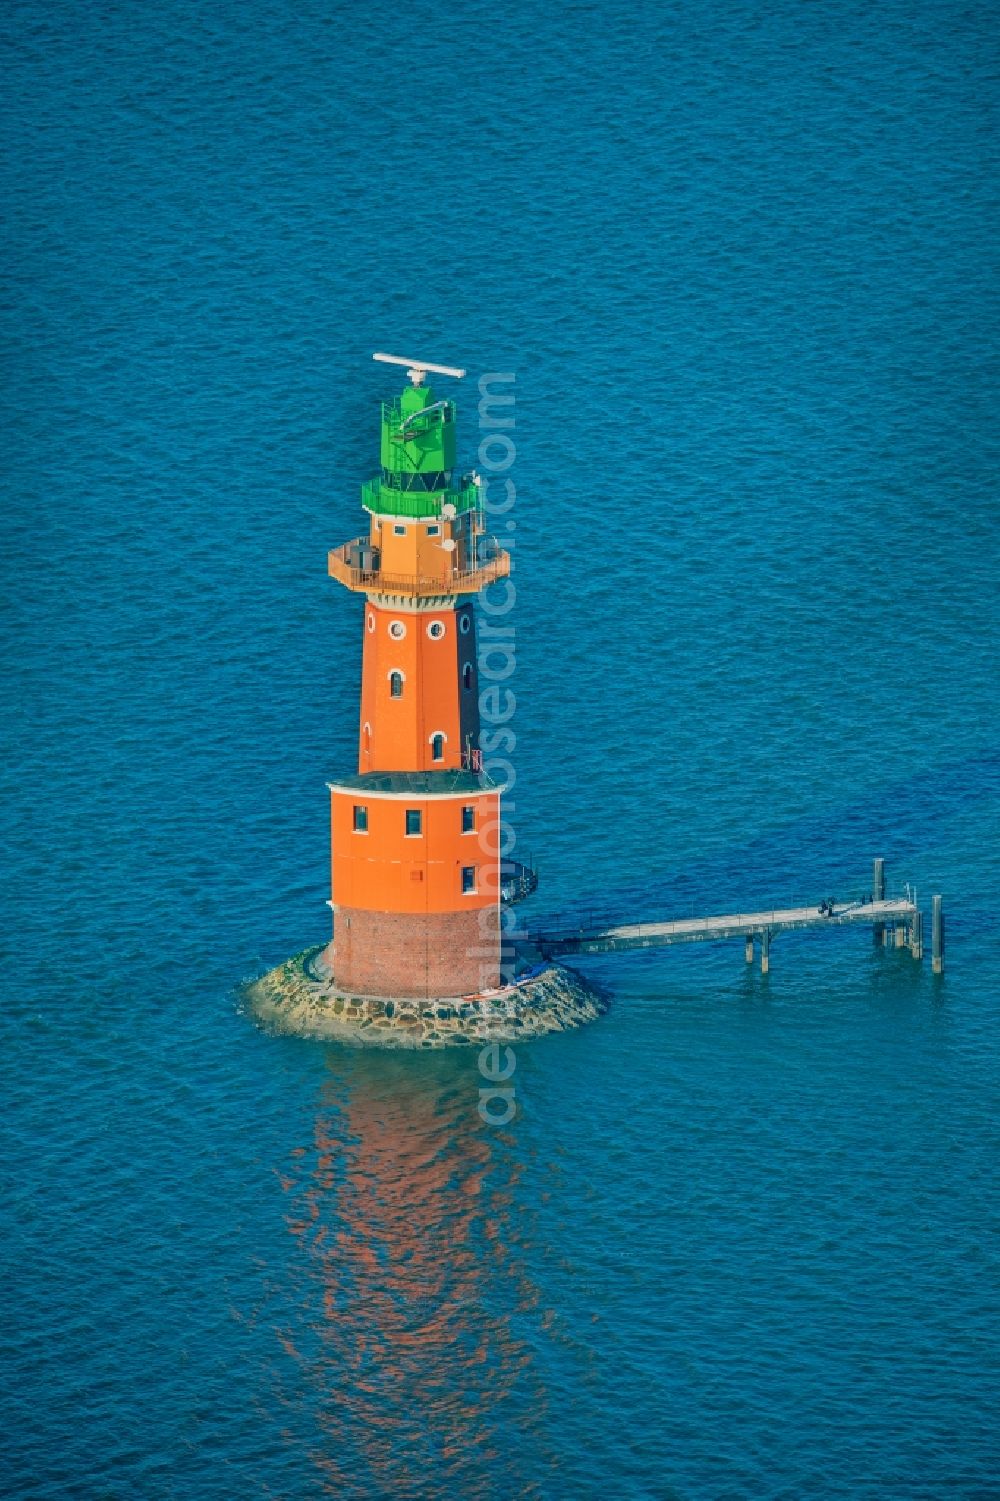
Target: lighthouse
[(416, 958), (415, 834)]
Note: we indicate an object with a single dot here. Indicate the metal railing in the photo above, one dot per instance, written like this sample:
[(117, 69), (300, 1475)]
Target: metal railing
[(518, 880), (485, 570), (384, 500), (596, 926), (415, 422)]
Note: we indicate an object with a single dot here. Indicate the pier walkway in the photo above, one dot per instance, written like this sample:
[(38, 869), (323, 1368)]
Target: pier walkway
[(896, 922)]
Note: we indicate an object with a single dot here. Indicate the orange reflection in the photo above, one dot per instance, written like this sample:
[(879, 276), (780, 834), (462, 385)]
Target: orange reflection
[(415, 1285)]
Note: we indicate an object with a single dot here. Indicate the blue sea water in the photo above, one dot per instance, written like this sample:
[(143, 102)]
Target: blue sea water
[(741, 1238)]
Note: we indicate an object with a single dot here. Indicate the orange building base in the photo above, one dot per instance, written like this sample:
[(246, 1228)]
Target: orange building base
[(425, 954)]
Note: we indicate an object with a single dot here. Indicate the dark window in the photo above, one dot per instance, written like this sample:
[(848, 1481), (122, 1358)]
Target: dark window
[(468, 878), (469, 820), (395, 685), (467, 675), (437, 748), (399, 531), (360, 819), (414, 820), (433, 531)]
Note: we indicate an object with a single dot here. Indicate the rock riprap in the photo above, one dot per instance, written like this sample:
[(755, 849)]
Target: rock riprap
[(295, 998)]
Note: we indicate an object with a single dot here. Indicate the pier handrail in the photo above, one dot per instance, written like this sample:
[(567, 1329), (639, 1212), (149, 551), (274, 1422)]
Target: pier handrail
[(594, 925)]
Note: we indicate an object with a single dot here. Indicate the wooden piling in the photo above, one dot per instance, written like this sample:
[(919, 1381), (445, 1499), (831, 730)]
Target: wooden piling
[(937, 936), (917, 936), (749, 948), (878, 895), (765, 951), (901, 935)]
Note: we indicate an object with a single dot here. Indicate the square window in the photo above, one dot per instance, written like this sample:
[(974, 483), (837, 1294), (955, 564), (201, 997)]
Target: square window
[(399, 531), (469, 820), (468, 878), (360, 819), (433, 531), (414, 821)]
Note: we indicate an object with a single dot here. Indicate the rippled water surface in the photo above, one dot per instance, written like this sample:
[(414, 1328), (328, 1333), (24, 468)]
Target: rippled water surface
[(740, 1240)]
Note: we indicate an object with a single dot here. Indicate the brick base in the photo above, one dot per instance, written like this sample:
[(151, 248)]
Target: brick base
[(416, 953)]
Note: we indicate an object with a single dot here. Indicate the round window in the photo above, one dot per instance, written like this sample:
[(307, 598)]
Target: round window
[(435, 630), (465, 624), (397, 630)]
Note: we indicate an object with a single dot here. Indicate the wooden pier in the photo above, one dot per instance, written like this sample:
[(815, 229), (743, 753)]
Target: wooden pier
[(895, 923)]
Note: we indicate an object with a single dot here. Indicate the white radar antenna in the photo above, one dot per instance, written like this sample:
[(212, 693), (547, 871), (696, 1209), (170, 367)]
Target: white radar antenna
[(417, 369)]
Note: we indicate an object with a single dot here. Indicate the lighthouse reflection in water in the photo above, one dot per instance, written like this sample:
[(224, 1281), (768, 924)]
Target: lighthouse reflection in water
[(416, 1307)]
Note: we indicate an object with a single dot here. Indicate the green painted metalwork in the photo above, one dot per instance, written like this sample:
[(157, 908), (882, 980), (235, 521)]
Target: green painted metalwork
[(417, 450), (418, 435), (381, 499)]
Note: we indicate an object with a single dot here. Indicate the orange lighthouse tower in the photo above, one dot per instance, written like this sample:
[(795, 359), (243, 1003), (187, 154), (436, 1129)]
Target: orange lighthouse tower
[(416, 833)]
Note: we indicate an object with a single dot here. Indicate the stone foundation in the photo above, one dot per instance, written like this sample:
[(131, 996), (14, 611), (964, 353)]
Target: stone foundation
[(299, 998)]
